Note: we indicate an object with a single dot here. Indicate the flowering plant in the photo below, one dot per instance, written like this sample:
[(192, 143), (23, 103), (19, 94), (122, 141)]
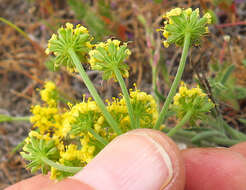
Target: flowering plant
[(64, 139)]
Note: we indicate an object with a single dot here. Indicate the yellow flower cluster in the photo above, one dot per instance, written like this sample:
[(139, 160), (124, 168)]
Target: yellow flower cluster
[(194, 100), (108, 55), (45, 118), (144, 107), (81, 117), (77, 31), (180, 21), (69, 38), (184, 92), (49, 94), (174, 12), (80, 131)]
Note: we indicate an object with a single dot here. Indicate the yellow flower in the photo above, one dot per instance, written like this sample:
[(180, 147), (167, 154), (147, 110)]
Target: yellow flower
[(76, 39), (188, 11), (174, 12), (166, 44), (87, 150), (49, 94), (191, 99), (81, 117), (209, 18), (71, 152), (144, 108), (45, 118), (53, 173), (108, 55), (178, 22)]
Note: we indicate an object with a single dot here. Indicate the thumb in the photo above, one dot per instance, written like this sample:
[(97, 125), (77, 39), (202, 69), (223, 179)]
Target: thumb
[(141, 159)]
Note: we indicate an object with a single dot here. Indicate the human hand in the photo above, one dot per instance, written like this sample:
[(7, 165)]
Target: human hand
[(148, 160)]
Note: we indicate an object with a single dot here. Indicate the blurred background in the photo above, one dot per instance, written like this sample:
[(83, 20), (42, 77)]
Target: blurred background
[(26, 25)]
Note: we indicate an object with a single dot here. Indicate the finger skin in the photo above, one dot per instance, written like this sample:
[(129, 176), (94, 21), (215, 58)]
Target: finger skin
[(116, 157), (178, 180), (36, 182), (240, 148), (214, 168)]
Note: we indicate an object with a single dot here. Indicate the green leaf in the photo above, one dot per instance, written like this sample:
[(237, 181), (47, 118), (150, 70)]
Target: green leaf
[(227, 74), (242, 120), (205, 135), (50, 64)]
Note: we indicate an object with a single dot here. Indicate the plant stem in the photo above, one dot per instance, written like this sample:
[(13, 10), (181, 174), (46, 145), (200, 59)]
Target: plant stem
[(24, 34), (94, 93), (206, 135), (126, 96), (154, 83), (6, 118), (175, 82), (184, 120), (98, 137), (224, 141), (25, 118), (234, 133), (61, 167)]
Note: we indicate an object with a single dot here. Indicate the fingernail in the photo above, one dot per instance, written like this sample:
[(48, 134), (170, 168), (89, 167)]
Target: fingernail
[(132, 161)]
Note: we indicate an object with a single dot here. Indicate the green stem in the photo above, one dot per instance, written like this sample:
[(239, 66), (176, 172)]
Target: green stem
[(6, 118), (175, 82), (205, 135), (94, 93), (154, 83), (25, 118), (184, 120), (212, 141), (224, 141), (234, 133), (181, 132), (98, 137), (126, 96), (18, 147), (61, 167), (24, 34), (137, 122)]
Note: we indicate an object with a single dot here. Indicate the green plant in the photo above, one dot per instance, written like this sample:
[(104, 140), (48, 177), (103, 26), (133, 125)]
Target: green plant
[(66, 138), (223, 85)]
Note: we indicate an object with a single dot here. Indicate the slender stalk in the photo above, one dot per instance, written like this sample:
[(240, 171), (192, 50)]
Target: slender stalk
[(94, 93), (154, 83), (24, 34), (206, 135), (183, 121), (6, 118), (98, 137), (175, 82), (18, 147), (224, 141), (25, 118), (126, 96), (181, 132), (137, 122), (61, 167), (234, 133)]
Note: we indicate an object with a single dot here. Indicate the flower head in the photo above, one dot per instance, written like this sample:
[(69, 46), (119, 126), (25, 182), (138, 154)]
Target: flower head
[(69, 38), (108, 55), (181, 21), (192, 99), (36, 148), (49, 94), (81, 118)]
